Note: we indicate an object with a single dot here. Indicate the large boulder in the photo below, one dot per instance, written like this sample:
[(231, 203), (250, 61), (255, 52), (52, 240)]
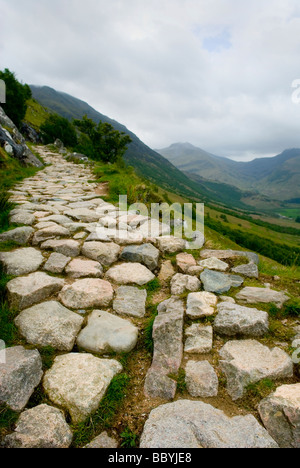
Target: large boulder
[(130, 273), (106, 333), (201, 304), (192, 424), (146, 254), (233, 319), (50, 324), (26, 291), (87, 293), (78, 382), (219, 283), (104, 253), (40, 427), (21, 261), (248, 361), (130, 301)]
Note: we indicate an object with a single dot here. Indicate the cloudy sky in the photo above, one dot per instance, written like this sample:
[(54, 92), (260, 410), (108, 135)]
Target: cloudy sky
[(215, 73)]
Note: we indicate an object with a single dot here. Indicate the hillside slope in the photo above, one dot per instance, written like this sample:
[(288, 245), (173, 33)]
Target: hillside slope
[(276, 177), (146, 161)]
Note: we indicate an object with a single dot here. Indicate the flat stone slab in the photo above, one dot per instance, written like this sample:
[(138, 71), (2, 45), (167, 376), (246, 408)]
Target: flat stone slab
[(26, 291), (50, 324), (146, 254), (170, 244), (230, 254), (201, 304), (104, 253), (19, 376), (68, 247), (20, 235), (193, 424), (167, 271), (83, 214), (199, 339), (56, 263), (219, 283), (82, 268), (185, 261), (21, 261), (130, 301), (248, 361), (250, 270), (214, 264), (78, 382), (50, 232), (106, 333), (262, 295), (181, 283), (87, 293), (280, 414), (168, 349), (40, 427), (201, 379), (130, 273), (233, 319), (22, 217)]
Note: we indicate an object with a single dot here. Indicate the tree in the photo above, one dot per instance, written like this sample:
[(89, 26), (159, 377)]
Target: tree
[(17, 95), (109, 145), (58, 127), (298, 219)]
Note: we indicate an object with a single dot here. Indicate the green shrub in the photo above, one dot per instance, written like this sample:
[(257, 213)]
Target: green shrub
[(58, 127)]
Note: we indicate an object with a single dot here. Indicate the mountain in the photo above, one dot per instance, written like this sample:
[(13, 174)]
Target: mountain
[(147, 162), (277, 177)]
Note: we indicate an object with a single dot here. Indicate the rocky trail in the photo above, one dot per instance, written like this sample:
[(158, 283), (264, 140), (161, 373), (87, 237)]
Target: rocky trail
[(86, 281)]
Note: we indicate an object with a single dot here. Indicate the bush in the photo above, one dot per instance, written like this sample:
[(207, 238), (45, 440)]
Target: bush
[(59, 127), (17, 95)]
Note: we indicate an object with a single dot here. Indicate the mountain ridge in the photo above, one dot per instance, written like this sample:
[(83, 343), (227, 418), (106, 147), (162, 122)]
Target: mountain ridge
[(274, 177)]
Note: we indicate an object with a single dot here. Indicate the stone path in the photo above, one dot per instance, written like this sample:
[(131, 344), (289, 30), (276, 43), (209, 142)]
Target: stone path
[(80, 286)]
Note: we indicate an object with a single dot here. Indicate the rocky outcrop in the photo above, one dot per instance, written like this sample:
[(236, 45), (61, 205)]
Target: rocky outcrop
[(14, 143)]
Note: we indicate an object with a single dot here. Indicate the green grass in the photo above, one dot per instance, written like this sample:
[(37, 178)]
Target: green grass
[(124, 181), (261, 389), (8, 419), (148, 328), (129, 439), (181, 381), (103, 418), (36, 114)]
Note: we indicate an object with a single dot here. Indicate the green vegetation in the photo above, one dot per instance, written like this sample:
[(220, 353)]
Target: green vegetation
[(17, 95), (129, 439), (36, 114), (124, 181), (180, 379), (261, 389), (103, 418), (101, 141), (148, 329), (58, 127), (8, 418)]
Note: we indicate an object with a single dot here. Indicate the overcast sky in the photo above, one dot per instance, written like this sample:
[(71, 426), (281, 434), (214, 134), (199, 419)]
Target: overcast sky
[(215, 73)]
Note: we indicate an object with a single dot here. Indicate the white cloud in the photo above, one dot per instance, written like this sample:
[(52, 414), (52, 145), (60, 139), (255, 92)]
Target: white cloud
[(216, 73)]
